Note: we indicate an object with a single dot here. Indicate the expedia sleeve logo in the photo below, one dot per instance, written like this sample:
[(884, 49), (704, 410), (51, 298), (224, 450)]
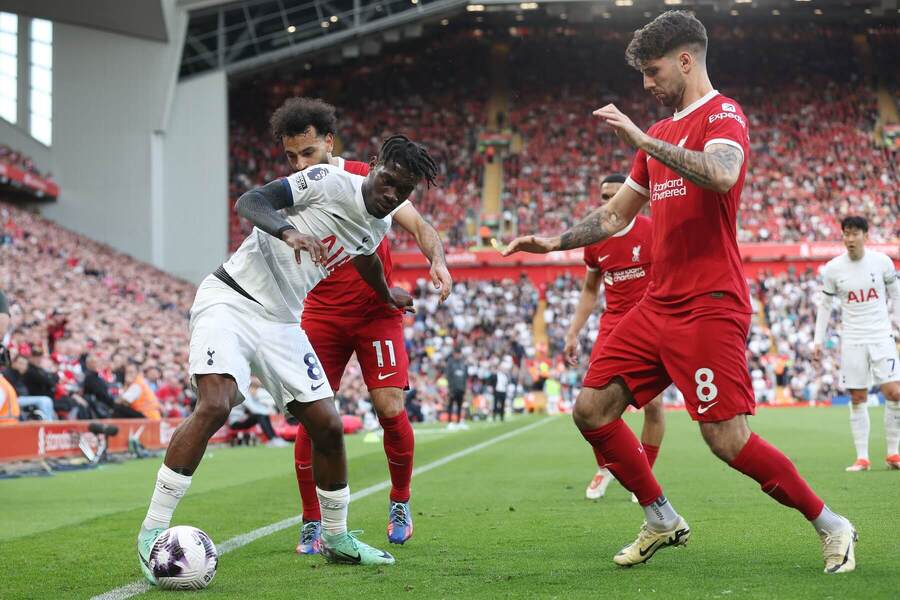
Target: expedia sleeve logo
[(728, 107), (317, 173)]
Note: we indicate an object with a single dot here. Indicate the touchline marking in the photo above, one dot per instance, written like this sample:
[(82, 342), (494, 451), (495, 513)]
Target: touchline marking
[(139, 587)]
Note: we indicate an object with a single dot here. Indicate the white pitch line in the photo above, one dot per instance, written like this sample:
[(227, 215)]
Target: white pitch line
[(139, 587)]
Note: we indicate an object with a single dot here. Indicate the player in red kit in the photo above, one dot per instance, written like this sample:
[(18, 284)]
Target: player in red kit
[(692, 325), (622, 263), (341, 316)]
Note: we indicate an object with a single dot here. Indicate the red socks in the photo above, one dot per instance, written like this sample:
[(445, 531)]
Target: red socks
[(777, 476), (305, 480), (652, 452), (626, 459), (399, 442)]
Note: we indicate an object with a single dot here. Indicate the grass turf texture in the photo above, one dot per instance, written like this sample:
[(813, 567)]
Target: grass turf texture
[(508, 521)]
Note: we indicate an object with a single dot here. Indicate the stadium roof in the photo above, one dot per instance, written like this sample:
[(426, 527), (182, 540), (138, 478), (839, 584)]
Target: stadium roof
[(247, 34), (137, 18)]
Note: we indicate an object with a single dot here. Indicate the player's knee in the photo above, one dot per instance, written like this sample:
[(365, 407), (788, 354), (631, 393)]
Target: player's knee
[(653, 413), (214, 399), (213, 411), (595, 408), (726, 439), (388, 402), (329, 435)]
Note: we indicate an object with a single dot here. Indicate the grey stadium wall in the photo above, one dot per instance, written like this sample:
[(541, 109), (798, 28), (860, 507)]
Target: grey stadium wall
[(141, 158)]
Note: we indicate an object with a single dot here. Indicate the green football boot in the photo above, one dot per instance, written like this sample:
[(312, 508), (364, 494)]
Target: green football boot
[(346, 549)]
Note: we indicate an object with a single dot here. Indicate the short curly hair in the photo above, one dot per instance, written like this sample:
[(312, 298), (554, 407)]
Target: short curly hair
[(672, 29), (297, 114)]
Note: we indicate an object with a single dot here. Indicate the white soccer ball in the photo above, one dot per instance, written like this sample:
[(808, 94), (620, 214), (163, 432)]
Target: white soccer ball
[(183, 558)]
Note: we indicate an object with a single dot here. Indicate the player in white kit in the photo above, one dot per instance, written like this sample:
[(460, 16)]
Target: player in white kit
[(862, 280), (244, 320)]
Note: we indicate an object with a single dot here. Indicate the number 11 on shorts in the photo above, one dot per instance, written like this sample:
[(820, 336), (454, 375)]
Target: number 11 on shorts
[(379, 355)]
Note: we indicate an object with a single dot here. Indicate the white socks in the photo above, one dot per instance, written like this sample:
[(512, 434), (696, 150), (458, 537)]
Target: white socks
[(334, 509), (892, 426), (829, 522), (859, 426), (660, 515), (170, 487)]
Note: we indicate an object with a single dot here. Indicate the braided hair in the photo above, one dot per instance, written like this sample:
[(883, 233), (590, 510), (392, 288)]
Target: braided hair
[(411, 156)]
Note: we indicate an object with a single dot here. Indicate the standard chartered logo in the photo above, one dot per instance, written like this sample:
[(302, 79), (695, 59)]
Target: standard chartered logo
[(668, 189)]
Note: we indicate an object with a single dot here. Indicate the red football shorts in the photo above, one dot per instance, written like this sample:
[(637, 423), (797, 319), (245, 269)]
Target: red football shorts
[(379, 345), (702, 351), (608, 322)]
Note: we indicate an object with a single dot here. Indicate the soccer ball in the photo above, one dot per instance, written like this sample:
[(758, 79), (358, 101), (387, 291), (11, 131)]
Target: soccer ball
[(183, 558)]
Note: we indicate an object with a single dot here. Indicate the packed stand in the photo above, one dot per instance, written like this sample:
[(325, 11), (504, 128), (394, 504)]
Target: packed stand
[(398, 92), (84, 317), (814, 158)]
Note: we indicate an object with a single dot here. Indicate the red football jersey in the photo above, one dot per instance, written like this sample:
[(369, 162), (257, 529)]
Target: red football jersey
[(624, 261), (695, 252), (343, 293)]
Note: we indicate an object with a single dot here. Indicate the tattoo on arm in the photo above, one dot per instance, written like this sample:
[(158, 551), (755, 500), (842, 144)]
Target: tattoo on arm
[(597, 226), (716, 169)]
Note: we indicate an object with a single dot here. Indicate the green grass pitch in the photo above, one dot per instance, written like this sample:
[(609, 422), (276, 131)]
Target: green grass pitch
[(507, 521)]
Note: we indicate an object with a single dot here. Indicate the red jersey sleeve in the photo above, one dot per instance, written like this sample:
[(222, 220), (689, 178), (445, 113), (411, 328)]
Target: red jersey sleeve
[(727, 124), (589, 258), (356, 167), (639, 179)]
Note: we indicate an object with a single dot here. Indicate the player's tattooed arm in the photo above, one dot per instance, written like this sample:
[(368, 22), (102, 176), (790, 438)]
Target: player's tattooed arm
[(717, 168), (602, 223), (597, 226), (260, 206)]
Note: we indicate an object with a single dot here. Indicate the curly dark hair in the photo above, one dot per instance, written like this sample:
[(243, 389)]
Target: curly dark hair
[(411, 156), (297, 114), (672, 29)]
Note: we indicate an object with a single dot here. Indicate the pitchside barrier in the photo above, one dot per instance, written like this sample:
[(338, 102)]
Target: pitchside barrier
[(32, 440), (35, 440)]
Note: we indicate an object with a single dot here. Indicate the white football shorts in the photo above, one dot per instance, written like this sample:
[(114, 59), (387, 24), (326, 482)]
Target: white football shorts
[(233, 335), (865, 365)]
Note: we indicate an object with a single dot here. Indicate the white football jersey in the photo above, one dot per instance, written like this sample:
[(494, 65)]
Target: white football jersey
[(328, 205), (860, 286)]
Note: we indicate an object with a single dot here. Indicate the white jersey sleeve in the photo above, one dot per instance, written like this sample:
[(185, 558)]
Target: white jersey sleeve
[(307, 187)]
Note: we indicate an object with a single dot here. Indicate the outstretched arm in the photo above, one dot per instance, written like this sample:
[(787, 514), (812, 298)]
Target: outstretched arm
[(429, 243), (716, 168), (602, 223), (260, 206)]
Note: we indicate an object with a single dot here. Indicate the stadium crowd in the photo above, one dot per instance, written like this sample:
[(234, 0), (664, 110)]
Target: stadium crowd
[(89, 323), (83, 313), (812, 122)]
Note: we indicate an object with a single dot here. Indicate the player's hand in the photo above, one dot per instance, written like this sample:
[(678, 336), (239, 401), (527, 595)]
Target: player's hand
[(401, 300), (627, 131), (570, 352), (302, 242), (817, 354), (532, 244), (440, 277)]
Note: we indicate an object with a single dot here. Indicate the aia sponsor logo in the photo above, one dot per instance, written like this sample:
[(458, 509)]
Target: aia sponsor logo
[(862, 295)]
